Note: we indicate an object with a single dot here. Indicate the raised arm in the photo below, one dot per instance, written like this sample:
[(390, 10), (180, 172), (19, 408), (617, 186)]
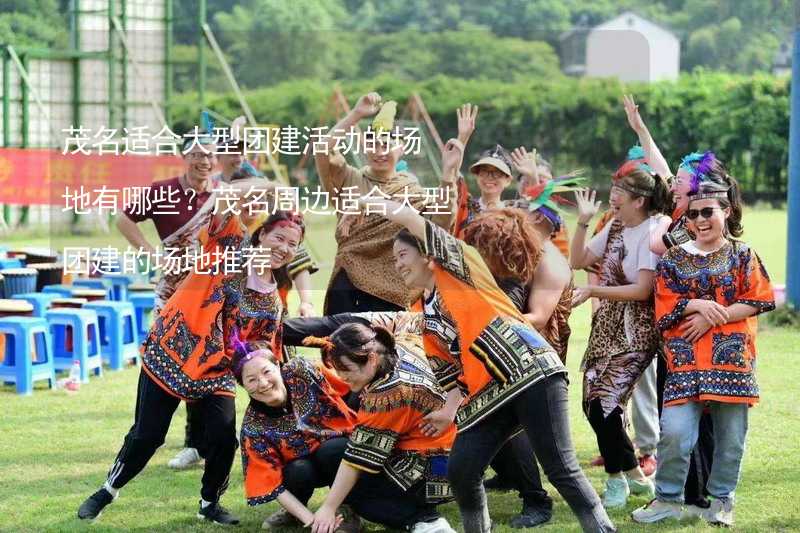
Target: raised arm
[(579, 254), (331, 176), (651, 152)]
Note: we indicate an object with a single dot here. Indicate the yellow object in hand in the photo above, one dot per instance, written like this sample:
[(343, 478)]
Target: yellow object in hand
[(384, 120)]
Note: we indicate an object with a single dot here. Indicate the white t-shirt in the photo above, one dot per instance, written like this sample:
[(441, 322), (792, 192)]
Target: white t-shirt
[(637, 255)]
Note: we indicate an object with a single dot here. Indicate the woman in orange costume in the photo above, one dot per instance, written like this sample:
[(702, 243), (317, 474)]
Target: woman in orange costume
[(188, 352), (708, 292), (488, 358), (392, 471), (294, 431)]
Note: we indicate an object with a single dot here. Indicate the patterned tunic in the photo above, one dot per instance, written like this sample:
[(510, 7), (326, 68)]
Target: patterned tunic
[(387, 436), (189, 349), (475, 338), (718, 366), (272, 437)]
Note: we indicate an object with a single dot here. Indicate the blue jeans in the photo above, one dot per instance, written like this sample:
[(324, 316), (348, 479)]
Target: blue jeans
[(679, 431)]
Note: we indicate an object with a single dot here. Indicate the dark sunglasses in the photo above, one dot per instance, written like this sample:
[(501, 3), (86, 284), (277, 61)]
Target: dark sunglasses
[(706, 212)]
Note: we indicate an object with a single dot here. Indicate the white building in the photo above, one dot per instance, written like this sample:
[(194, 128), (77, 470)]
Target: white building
[(627, 47)]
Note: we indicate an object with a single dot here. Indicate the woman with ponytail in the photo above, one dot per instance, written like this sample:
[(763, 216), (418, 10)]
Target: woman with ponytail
[(708, 293), (393, 468), (293, 434), (623, 339)]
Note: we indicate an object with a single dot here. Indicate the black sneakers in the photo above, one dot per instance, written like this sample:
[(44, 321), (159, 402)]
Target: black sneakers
[(94, 504), (497, 484), (217, 514), (531, 517)]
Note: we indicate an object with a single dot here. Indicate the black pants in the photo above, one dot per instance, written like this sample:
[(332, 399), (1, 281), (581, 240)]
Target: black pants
[(379, 499), (154, 410), (542, 410), (302, 476), (702, 455), (344, 297), (612, 439), (515, 464), (375, 497), (195, 429)]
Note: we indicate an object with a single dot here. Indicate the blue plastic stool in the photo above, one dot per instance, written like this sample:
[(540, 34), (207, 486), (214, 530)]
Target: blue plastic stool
[(119, 286), (10, 262), (85, 340), (24, 337), (63, 291), (93, 283), (39, 300), (143, 303), (119, 341)]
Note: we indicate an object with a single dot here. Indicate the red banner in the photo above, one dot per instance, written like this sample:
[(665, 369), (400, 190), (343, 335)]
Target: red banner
[(32, 176)]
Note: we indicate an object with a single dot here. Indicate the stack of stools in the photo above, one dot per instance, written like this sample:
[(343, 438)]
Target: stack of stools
[(119, 286), (76, 336), (118, 332), (94, 283), (28, 350), (41, 301), (143, 298), (65, 291)]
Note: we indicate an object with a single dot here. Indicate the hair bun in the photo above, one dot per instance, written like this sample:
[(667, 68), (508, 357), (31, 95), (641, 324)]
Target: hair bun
[(385, 337)]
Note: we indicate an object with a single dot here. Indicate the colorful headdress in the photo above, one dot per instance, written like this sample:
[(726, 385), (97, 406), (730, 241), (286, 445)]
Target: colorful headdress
[(203, 135), (544, 198), (635, 159), (698, 165)]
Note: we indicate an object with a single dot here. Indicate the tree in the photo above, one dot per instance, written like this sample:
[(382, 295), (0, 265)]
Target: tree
[(33, 23), (273, 40)]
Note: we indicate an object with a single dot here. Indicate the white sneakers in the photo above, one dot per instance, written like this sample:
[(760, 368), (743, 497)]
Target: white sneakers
[(720, 512), (656, 511), (440, 525), (186, 458)]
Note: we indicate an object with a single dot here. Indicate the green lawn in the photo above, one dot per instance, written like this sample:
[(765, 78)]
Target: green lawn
[(55, 448)]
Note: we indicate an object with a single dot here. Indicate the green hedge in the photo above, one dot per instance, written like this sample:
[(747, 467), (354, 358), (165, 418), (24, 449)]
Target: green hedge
[(573, 122)]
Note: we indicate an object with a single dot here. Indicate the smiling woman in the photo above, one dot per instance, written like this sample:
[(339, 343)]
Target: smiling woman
[(188, 355), (293, 432)]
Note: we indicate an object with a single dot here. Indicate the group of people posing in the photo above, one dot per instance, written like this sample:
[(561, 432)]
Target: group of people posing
[(443, 341)]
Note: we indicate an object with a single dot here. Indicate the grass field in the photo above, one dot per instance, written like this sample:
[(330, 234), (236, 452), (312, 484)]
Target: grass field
[(55, 448)]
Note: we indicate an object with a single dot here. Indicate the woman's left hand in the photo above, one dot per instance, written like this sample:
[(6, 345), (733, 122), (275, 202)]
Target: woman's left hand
[(434, 423), (305, 310), (325, 520), (695, 326), (580, 295)]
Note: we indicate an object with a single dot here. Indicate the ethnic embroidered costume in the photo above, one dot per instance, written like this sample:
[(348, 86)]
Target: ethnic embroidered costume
[(718, 366), (475, 338), (315, 412), (189, 349), (387, 436)]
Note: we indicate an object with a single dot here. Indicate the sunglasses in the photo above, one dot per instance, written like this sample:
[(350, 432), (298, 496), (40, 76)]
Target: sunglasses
[(706, 212)]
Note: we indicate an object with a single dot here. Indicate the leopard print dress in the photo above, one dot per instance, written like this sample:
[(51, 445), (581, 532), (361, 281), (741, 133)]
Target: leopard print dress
[(623, 340)]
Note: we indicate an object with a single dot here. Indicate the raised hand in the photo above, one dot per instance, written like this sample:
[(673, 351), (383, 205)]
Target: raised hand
[(367, 105), (452, 156), (526, 164), (587, 204), (466, 114), (632, 112)]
